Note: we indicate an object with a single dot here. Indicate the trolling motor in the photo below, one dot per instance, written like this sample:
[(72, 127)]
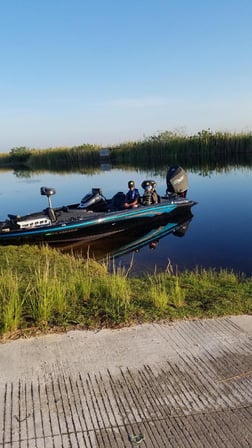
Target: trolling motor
[(176, 181)]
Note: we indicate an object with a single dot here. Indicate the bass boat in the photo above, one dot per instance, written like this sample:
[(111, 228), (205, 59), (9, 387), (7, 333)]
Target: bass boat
[(94, 216)]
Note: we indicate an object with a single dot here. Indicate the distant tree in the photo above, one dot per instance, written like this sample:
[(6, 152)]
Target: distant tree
[(20, 154)]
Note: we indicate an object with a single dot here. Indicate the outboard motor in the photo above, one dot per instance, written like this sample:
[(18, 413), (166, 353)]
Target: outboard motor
[(94, 201), (176, 181)]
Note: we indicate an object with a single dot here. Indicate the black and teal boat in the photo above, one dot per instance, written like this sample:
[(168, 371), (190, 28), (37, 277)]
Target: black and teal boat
[(94, 217)]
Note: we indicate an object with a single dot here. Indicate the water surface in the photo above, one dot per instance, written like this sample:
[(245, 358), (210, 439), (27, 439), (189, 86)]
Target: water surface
[(219, 235)]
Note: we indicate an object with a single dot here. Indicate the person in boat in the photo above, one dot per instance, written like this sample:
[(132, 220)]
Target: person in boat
[(132, 197), (150, 195)]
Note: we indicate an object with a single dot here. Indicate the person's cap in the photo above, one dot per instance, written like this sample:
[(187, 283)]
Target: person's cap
[(131, 183)]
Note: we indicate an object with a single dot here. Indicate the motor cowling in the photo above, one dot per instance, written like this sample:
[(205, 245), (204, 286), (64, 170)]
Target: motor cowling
[(176, 181)]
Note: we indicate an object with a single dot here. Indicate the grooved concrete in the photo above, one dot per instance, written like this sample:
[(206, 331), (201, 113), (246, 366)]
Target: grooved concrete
[(187, 384)]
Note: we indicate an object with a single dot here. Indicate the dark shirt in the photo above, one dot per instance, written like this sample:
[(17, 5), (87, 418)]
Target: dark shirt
[(132, 195)]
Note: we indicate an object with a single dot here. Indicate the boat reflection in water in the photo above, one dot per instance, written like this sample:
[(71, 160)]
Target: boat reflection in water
[(131, 238)]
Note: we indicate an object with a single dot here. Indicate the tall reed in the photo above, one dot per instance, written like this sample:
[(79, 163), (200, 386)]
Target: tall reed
[(114, 295), (10, 301), (165, 290), (200, 150), (41, 296), (203, 150), (65, 158)]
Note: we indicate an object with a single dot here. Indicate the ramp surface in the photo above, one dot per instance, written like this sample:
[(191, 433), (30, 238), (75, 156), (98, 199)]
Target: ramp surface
[(186, 384)]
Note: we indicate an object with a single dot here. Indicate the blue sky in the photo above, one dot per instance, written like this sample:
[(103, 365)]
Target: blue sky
[(111, 71)]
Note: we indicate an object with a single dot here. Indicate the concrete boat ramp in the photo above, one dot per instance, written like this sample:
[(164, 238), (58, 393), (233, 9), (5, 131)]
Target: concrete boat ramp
[(185, 384)]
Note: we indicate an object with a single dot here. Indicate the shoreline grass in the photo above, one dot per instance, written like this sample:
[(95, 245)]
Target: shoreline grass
[(42, 291)]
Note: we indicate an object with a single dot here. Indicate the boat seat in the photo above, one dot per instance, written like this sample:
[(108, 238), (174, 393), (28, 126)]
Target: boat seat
[(45, 191), (117, 201)]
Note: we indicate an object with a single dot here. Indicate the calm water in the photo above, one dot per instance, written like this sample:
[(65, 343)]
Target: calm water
[(219, 234)]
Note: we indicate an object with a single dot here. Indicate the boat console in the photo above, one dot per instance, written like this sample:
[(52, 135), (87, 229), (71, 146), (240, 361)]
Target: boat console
[(94, 201)]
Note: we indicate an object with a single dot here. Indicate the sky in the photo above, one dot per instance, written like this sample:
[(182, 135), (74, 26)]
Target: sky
[(107, 72)]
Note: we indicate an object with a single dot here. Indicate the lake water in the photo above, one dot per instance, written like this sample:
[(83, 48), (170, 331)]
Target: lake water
[(219, 234)]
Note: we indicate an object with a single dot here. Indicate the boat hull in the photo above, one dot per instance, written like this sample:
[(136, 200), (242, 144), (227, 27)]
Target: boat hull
[(70, 228)]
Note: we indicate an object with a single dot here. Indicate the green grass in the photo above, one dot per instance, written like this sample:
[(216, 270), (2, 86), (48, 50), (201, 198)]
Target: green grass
[(11, 302), (44, 290)]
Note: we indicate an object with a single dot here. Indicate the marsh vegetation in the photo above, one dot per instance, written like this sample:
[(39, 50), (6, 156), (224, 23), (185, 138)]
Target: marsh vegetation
[(204, 150)]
